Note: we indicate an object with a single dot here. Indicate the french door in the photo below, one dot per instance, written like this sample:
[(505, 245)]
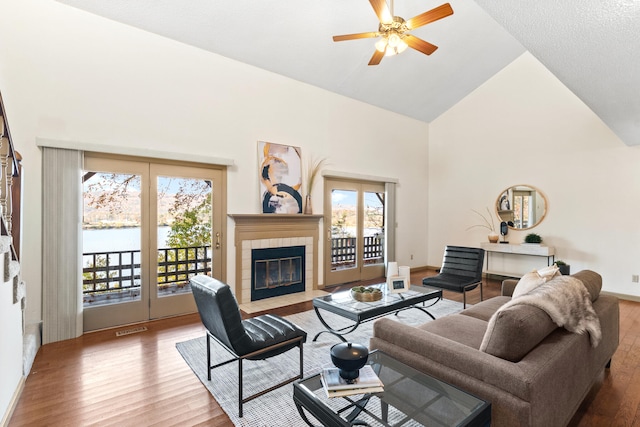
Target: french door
[(147, 228), (355, 230)]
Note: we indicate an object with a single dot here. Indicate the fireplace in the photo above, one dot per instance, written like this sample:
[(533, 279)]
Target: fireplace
[(277, 271), (275, 231)]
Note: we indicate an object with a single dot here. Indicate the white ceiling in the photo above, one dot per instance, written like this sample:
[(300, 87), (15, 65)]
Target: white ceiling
[(591, 46)]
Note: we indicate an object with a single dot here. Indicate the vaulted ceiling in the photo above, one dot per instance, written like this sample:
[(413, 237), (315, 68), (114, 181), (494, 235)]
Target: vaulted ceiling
[(591, 46)]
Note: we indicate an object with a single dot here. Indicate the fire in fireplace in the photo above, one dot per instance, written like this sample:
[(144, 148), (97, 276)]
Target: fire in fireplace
[(277, 271)]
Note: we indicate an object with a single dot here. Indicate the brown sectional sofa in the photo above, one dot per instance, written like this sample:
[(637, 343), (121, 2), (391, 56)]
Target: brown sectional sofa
[(550, 370)]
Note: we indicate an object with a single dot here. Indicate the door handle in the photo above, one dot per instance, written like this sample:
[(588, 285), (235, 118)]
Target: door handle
[(217, 240)]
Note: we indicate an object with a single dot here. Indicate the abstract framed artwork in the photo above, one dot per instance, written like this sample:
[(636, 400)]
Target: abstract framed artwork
[(280, 171)]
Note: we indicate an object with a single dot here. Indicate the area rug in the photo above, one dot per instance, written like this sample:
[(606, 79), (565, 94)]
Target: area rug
[(277, 408)]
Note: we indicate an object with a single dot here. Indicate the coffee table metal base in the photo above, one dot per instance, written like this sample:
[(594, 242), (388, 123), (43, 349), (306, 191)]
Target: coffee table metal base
[(351, 419), (342, 304), (340, 332)]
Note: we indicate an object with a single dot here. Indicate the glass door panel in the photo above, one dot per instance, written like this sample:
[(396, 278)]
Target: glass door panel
[(355, 236), (373, 232), (344, 227), (113, 278), (183, 240), (184, 232)]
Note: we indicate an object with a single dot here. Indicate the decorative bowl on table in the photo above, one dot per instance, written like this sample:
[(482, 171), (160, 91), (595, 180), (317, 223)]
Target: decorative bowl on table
[(366, 294), (349, 358)]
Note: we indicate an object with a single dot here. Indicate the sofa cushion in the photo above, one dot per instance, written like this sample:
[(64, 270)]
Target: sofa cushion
[(516, 331), (592, 281), (534, 279), (549, 272), (528, 282), (485, 309), (455, 327)]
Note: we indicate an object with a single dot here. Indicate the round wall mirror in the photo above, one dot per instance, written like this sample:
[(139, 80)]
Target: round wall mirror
[(521, 206)]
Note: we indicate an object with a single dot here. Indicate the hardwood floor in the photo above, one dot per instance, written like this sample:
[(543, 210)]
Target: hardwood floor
[(141, 380)]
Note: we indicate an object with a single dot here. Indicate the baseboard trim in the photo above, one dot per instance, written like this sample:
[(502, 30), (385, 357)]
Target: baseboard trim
[(14, 402), (622, 296), (422, 268)]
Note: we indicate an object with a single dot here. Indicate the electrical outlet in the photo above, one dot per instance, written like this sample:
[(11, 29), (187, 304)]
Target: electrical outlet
[(635, 278)]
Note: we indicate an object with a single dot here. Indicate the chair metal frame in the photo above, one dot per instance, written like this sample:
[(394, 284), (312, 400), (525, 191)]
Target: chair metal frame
[(466, 289), (299, 342)]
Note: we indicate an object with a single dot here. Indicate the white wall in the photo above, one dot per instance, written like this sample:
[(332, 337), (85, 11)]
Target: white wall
[(68, 75), (10, 344), (524, 127)]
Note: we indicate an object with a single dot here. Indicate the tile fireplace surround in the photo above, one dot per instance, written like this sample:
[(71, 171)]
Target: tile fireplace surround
[(259, 231)]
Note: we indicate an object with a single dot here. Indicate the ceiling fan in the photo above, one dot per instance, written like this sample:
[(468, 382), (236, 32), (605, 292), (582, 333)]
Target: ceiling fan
[(394, 31)]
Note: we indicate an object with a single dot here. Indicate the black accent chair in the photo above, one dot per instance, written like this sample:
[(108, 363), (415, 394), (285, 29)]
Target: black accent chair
[(461, 271), (257, 338)]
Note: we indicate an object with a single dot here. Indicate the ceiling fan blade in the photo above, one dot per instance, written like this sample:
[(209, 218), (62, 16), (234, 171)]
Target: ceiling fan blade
[(429, 16), (354, 36), (382, 11), (376, 58), (419, 44)]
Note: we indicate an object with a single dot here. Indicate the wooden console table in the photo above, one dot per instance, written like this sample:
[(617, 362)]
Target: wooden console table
[(528, 250)]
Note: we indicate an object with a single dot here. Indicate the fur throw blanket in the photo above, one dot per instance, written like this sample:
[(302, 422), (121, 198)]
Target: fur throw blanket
[(566, 300)]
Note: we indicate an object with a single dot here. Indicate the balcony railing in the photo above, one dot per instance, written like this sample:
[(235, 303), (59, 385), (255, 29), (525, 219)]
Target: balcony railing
[(343, 251), (177, 265), (115, 276)]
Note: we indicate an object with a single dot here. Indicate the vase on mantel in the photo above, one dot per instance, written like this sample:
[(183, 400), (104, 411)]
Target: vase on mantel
[(493, 237), (308, 209)]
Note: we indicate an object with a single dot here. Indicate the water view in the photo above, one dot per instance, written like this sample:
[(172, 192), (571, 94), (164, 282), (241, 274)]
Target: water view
[(117, 239)]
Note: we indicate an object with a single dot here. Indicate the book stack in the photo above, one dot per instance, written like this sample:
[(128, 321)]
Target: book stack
[(336, 386)]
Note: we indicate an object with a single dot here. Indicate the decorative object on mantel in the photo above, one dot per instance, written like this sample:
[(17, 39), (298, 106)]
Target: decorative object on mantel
[(565, 269), (493, 236), (313, 168), (280, 173), (533, 238)]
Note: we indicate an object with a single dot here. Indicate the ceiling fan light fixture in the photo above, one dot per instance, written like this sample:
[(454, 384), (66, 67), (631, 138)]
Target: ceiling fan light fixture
[(391, 44), (391, 50), (394, 30), (402, 46), (394, 40)]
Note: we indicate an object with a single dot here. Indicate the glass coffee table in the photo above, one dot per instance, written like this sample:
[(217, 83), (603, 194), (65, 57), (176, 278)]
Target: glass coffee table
[(410, 398), (343, 304)]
